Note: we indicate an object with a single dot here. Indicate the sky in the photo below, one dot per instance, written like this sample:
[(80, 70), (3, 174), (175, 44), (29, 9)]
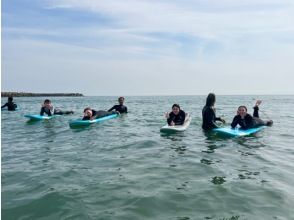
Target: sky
[(148, 47)]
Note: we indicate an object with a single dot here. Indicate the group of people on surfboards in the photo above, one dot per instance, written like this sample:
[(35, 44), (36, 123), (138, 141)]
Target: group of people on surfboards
[(209, 119), (176, 117)]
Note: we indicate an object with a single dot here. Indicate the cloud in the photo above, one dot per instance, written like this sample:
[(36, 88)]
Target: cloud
[(225, 45)]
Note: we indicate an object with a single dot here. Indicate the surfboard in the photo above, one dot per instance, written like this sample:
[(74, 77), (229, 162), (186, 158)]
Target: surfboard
[(80, 122), (237, 132), (39, 117), (177, 128)]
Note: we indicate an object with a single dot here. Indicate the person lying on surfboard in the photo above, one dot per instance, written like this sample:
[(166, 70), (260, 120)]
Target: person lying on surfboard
[(176, 116), (11, 106), (47, 108), (121, 108), (208, 114), (91, 114), (246, 121)]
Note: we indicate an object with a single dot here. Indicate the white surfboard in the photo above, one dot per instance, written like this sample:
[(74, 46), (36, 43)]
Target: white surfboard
[(177, 128)]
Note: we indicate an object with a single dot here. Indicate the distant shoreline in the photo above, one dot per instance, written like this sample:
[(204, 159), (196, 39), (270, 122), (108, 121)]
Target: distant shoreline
[(30, 94)]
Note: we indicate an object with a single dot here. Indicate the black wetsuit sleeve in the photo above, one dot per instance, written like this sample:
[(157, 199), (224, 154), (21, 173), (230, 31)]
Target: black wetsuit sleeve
[(42, 111), (113, 107), (255, 112), (235, 121), (126, 109), (171, 118), (183, 117), (3, 106)]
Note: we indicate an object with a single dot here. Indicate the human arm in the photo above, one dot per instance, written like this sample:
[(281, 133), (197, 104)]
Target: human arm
[(220, 119), (235, 121), (112, 108), (170, 119), (42, 111), (3, 106)]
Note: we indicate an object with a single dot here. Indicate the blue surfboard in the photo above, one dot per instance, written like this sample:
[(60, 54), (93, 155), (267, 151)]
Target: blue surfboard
[(237, 132), (80, 122), (39, 117)]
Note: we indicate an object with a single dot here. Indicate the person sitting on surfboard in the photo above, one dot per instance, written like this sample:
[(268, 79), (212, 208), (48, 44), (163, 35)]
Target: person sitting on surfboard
[(246, 121), (91, 114), (208, 114), (176, 117), (11, 106), (47, 108), (121, 108)]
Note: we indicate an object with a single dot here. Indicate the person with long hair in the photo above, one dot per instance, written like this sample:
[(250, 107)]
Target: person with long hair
[(208, 114)]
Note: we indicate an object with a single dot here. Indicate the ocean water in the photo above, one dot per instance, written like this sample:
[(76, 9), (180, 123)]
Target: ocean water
[(124, 168)]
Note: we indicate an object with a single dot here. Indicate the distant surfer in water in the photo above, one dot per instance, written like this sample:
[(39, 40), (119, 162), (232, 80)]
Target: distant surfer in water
[(176, 116), (121, 108), (208, 114), (91, 114), (11, 106), (246, 121), (47, 108)]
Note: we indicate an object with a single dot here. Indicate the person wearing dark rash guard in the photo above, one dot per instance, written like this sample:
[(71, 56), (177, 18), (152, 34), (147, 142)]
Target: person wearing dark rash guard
[(208, 114), (91, 114), (47, 108), (246, 121), (176, 117), (11, 106), (121, 108)]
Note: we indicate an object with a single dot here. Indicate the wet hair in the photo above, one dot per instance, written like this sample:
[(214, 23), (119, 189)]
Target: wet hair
[(10, 99), (176, 105), (210, 100), (88, 108), (47, 101), (123, 98), (242, 106)]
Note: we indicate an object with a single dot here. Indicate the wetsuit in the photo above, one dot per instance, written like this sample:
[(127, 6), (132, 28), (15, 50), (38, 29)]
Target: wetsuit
[(119, 108), (209, 118), (55, 112), (98, 114), (178, 119), (11, 106), (249, 121)]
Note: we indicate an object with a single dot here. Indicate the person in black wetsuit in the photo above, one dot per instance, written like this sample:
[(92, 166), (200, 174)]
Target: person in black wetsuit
[(47, 108), (208, 114), (246, 121), (121, 108), (90, 114), (176, 117), (11, 106)]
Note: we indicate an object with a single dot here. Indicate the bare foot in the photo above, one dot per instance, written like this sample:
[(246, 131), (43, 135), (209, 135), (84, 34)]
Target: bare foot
[(258, 102), (269, 123)]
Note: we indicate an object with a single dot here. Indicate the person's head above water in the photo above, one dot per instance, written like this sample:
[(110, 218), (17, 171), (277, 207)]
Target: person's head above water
[(10, 99), (242, 111), (88, 112), (47, 103), (210, 100), (176, 108), (121, 100)]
